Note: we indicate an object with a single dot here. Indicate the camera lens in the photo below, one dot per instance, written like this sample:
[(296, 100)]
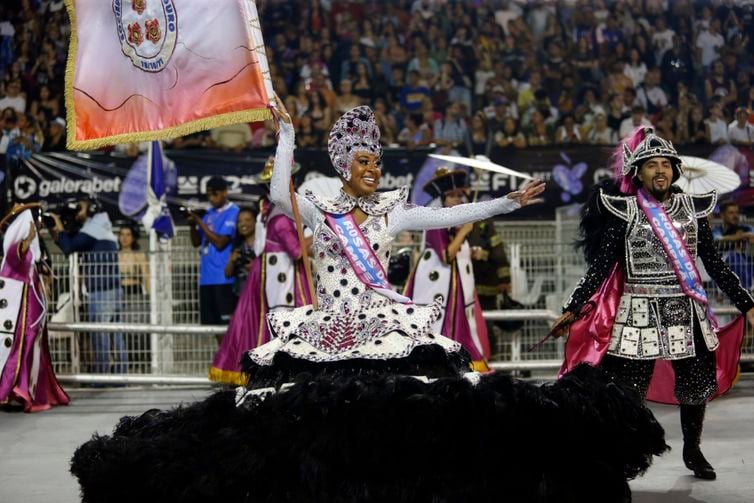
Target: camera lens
[(47, 220)]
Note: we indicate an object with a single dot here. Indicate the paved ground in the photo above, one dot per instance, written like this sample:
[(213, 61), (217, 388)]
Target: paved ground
[(36, 448)]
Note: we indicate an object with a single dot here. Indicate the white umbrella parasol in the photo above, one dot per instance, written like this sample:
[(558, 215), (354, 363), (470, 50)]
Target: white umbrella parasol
[(702, 175), (481, 162), (326, 186)]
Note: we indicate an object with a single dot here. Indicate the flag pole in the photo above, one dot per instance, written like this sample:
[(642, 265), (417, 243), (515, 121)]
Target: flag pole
[(302, 241)]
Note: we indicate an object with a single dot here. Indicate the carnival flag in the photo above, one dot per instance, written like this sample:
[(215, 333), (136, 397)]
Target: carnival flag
[(157, 215), (141, 70)]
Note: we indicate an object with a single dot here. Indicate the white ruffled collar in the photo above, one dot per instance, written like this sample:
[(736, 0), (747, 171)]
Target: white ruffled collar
[(376, 204)]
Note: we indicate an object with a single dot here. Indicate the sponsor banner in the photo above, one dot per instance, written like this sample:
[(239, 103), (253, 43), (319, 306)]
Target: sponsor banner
[(569, 174)]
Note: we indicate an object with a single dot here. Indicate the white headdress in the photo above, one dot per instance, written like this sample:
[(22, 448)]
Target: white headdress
[(355, 131)]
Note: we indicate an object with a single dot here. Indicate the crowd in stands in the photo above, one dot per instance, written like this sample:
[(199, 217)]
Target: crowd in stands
[(469, 75)]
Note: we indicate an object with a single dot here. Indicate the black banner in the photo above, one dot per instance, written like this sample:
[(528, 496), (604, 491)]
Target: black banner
[(569, 173)]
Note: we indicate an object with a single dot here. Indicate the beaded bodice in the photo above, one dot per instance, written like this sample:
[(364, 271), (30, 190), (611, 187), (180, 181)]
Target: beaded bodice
[(646, 259), (337, 285)]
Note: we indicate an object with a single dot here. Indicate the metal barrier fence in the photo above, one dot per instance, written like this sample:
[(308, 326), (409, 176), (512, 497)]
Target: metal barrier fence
[(151, 326)]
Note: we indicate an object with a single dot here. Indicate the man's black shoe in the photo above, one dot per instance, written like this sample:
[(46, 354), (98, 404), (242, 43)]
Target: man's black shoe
[(695, 461)]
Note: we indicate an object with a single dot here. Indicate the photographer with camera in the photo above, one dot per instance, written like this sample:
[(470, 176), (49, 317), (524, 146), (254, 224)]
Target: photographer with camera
[(85, 228), (242, 255), (214, 233)]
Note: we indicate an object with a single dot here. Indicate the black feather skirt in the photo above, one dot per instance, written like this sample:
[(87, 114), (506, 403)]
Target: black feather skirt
[(361, 434)]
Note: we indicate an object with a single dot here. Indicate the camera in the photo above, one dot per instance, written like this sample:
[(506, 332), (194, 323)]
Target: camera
[(67, 212), (187, 210)]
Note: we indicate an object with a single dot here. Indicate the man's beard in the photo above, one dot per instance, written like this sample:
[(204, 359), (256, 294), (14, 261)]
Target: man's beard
[(659, 194)]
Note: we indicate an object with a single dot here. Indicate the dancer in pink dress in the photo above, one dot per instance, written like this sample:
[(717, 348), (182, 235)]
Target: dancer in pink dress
[(27, 376), (276, 282)]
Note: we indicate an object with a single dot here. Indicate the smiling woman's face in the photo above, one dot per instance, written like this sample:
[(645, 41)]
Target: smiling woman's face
[(366, 169)]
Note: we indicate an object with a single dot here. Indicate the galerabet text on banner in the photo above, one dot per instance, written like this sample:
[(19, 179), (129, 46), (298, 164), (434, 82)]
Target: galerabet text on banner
[(142, 70)]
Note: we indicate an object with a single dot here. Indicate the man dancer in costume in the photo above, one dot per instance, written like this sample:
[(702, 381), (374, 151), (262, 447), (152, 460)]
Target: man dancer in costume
[(444, 273), (658, 316)]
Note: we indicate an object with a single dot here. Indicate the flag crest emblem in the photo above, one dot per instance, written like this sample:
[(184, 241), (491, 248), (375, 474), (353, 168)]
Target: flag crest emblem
[(147, 30)]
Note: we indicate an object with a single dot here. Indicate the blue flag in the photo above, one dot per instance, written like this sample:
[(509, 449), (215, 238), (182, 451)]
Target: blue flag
[(157, 216)]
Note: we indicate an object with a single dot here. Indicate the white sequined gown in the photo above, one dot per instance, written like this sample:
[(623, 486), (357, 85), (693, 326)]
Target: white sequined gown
[(352, 320)]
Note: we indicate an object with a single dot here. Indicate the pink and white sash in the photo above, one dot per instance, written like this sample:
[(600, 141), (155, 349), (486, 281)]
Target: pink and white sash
[(683, 264), (368, 268)]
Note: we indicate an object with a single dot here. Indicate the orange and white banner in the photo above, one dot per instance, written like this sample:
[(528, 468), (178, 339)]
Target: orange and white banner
[(143, 70)]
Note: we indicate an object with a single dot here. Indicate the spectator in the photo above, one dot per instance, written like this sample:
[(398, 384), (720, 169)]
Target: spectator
[(441, 86), (28, 141), (14, 98), (629, 99), (612, 35), (9, 131), (543, 105), (662, 39), (717, 129), (539, 134), (416, 133), (749, 104), (481, 136), (616, 112), (568, 133), (650, 95), (676, 65), (510, 136), (617, 81), (47, 107), (600, 133), (637, 118), (413, 93), (90, 233), (567, 97), (393, 54), (233, 137), (424, 65), (362, 87), (665, 125), (213, 233), (526, 91), (306, 135), (320, 112), (460, 63), (733, 239), (386, 122), (346, 100), (134, 280), (718, 85), (450, 132), (482, 75), (242, 253), (635, 69), (741, 131), (395, 86), (708, 44), (298, 102), (585, 62), (697, 130), (348, 70)]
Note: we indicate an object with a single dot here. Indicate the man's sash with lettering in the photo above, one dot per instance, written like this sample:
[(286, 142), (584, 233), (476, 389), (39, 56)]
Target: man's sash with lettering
[(683, 265)]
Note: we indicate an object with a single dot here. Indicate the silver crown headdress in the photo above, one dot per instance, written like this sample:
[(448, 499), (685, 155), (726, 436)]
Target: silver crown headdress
[(355, 131), (651, 146)]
